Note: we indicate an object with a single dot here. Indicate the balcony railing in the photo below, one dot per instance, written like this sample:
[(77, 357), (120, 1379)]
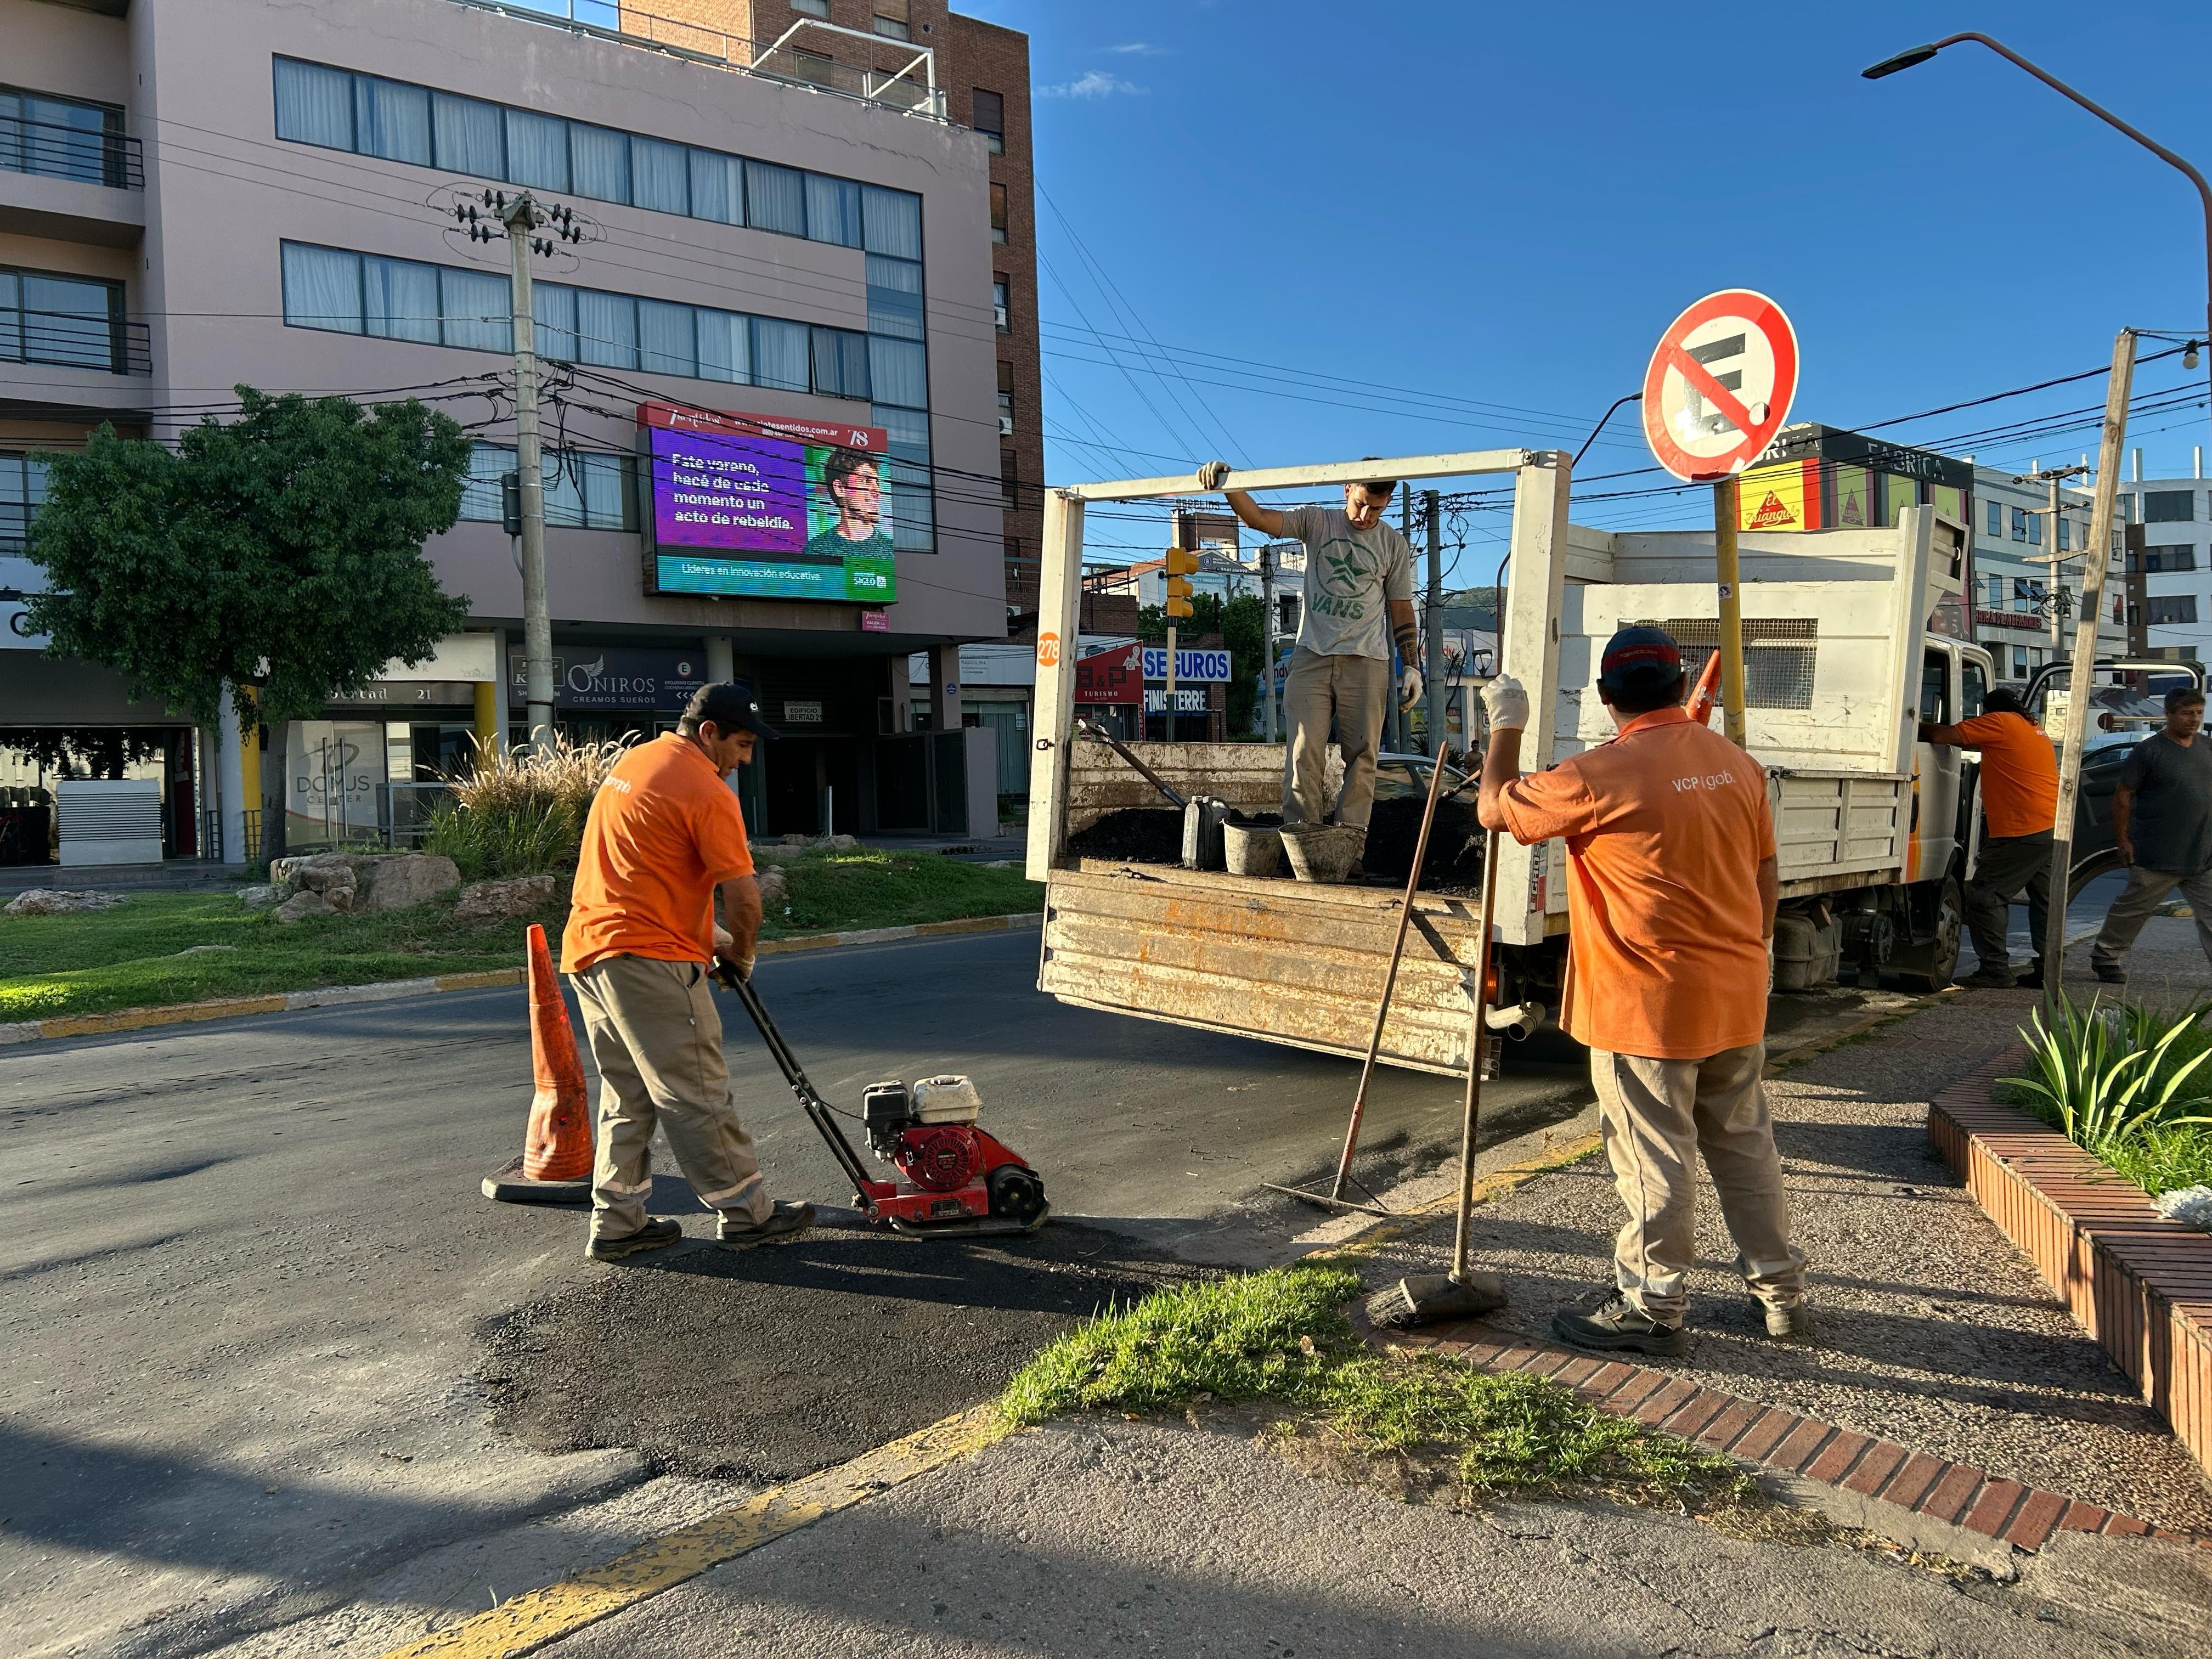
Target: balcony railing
[(55, 151), (773, 60), (72, 340)]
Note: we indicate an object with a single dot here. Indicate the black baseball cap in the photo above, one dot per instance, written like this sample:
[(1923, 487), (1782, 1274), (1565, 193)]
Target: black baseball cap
[(1641, 656), (732, 707)]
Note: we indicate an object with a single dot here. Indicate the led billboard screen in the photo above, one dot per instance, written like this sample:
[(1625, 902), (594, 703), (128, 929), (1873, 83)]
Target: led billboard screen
[(762, 505)]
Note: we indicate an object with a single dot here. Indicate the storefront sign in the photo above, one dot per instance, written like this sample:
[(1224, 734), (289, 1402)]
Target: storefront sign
[(1187, 702), (1199, 667), (615, 678), (1109, 676), (802, 714), (402, 694), (759, 505)]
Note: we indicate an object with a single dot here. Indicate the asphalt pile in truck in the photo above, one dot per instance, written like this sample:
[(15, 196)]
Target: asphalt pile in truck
[(1454, 856), (1144, 835)]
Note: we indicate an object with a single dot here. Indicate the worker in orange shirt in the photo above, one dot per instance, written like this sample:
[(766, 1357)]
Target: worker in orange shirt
[(1672, 886), (2020, 802), (663, 835)]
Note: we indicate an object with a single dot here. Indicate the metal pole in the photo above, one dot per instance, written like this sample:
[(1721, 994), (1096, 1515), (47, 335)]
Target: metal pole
[(1478, 1041), (1171, 689), (2116, 392), (2057, 576), (1267, 640), (1433, 505), (1724, 552), (522, 219)]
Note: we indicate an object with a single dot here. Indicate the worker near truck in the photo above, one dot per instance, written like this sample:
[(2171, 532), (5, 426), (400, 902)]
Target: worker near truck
[(2020, 805), (663, 835), (1672, 884), (2162, 823), (1358, 601)]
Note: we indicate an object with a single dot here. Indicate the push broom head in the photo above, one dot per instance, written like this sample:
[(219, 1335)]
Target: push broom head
[(1433, 1298)]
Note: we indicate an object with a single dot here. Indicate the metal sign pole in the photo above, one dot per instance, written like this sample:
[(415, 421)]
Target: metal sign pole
[(1726, 495)]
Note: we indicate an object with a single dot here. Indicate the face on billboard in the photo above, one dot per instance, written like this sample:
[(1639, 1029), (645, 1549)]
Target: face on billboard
[(769, 511)]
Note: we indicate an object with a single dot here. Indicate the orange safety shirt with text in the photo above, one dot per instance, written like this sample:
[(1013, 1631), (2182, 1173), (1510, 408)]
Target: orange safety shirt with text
[(664, 829), (1666, 827)]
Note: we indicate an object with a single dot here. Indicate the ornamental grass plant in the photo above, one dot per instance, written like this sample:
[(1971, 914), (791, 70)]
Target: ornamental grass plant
[(521, 811), (2128, 1082)]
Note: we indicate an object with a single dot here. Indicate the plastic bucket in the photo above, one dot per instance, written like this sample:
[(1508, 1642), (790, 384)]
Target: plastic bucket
[(1252, 849), (1322, 853)]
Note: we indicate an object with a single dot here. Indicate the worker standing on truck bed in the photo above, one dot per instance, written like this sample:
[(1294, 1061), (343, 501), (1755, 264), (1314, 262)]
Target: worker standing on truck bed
[(1672, 887), (2162, 820), (1359, 600), (664, 834), (2020, 801)]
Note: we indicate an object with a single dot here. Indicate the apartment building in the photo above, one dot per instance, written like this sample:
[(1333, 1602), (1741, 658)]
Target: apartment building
[(2169, 590), (2015, 576), (196, 193)]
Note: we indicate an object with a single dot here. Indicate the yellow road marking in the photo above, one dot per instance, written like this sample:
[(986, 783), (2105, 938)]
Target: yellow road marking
[(137, 1019), (525, 1622)]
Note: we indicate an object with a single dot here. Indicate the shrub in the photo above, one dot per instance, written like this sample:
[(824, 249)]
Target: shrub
[(2118, 1081), (521, 811)]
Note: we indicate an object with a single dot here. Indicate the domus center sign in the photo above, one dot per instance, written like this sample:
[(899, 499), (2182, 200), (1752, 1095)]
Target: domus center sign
[(765, 505)]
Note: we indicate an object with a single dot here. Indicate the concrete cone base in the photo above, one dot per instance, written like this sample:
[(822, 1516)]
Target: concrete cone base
[(511, 1186)]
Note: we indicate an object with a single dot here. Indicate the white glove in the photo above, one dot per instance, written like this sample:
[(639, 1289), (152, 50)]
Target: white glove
[(1213, 475), (1409, 687), (1506, 702)]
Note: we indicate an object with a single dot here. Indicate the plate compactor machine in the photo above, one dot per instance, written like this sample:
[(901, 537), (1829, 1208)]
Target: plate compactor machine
[(954, 1179)]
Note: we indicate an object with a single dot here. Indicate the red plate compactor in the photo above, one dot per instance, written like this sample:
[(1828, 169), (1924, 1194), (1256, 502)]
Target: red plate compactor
[(954, 1179)]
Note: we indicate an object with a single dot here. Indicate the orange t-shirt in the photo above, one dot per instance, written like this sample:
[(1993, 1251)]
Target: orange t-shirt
[(2019, 773), (1666, 827), (664, 829)]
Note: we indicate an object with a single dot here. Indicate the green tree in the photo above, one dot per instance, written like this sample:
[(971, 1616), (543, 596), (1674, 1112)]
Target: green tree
[(1240, 625), (283, 549)]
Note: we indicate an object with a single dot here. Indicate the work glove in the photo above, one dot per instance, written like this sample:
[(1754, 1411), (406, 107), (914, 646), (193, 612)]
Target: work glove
[(1505, 699), (1409, 687), (1213, 475)]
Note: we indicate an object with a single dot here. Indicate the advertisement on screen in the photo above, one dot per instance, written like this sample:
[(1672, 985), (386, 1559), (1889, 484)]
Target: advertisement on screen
[(763, 506)]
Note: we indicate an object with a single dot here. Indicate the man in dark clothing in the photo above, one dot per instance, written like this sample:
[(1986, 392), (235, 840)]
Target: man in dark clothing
[(2162, 820), (2020, 801)]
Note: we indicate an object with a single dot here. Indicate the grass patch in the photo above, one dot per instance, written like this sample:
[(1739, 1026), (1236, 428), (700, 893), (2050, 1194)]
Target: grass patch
[(872, 888), (1282, 1337)]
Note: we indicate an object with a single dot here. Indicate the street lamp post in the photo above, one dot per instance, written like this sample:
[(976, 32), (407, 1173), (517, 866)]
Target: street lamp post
[(1917, 55)]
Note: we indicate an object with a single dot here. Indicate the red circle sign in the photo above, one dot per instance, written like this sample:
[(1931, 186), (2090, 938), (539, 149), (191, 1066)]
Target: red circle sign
[(1719, 385)]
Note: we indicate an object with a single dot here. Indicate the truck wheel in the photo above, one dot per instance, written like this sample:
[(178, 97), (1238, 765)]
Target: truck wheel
[(1932, 966)]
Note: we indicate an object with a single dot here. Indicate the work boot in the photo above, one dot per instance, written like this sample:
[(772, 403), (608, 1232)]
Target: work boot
[(2033, 979), (653, 1236), (1616, 1325), (1788, 1322), (2111, 972), (1990, 979), (785, 1221)]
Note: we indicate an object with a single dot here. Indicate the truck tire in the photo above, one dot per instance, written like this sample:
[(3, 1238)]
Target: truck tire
[(1931, 966)]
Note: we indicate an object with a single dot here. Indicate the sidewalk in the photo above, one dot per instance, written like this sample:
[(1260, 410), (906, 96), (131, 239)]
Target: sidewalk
[(1932, 1330)]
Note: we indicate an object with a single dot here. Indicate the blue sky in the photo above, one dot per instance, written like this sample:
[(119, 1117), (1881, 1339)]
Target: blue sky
[(1502, 207)]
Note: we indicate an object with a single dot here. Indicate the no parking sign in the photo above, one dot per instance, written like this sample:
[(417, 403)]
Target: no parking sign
[(1720, 385)]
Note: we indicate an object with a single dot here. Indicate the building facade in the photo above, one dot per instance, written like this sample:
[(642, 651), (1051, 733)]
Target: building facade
[(199, 193), (2025, 600), (2169, 589)]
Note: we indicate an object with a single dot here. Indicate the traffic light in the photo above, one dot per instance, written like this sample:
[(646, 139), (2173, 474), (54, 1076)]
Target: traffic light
[(1182, 564), (510, 502)]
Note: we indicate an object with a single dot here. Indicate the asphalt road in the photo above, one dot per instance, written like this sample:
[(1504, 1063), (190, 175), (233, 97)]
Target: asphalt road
[(267, 1341)]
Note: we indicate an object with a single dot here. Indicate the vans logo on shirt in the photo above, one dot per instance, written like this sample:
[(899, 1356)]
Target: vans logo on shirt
[(1710, 781)]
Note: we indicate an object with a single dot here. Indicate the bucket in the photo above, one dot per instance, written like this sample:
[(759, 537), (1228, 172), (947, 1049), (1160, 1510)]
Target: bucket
[(1252, 849), (1322, 852)]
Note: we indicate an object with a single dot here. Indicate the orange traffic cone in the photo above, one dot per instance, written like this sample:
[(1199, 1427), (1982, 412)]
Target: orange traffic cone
[(555, 1166), (1707, 692)]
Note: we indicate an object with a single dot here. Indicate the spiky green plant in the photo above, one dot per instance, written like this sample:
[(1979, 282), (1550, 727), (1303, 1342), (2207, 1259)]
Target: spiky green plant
[(521, 811), (2107, 1074)]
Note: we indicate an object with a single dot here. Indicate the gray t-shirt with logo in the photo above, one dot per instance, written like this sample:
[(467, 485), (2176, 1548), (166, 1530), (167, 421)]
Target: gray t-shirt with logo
[(1350, 574)]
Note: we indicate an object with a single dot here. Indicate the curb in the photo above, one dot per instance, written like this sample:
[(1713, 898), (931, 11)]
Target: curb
[(1911, 1497), (332, 996)]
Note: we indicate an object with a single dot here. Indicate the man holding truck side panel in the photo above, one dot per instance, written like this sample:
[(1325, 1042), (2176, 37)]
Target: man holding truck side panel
[(2020, 803), (1359, 600), (1672, 887)]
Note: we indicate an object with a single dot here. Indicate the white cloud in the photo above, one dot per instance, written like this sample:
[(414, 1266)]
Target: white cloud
[(1140, 49), (1093, 83)]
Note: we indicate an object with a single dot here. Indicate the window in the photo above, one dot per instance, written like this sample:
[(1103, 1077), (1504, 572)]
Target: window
[(22, 488), (997, 213), (1286, 613), (1996, 592), (2035, 529), (584, 490), (2020, 662), (598, 162), (61, 138), (898, 372), (2169, 608), (72, 322), (1005, 398), (659, 175), (1000, 315), (2169, 506), (894, 19), (812, 8), (2019, 524), (2125, 504), (314, 105), (391, 120), (907, 478), (990, 113), (2168, 559), (352, 292), (718, 187), (832, 209), (1010, 480), (1936, 688), (894, 306), (467, 135), (2065, 532), (1996, 518), (1973, 687), (891, 221), (775, 199), (537, 150)]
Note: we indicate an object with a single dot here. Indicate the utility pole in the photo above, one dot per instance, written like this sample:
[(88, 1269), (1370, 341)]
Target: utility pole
[(2085, 658), (1393, 718), (1433, 505), (1268, 639), (2054, 599), (520, 218)]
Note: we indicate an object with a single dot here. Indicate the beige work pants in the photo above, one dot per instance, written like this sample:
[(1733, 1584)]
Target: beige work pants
[(1656, 1115), (1349, 694), (2146, 890), (658, 1041)]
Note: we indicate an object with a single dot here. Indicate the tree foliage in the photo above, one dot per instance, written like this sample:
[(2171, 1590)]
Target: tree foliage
[(291, 537), (1240, 623)]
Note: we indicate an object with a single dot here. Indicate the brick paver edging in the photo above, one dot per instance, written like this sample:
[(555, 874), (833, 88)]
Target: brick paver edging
[(1924, 1487), (187, 1014), (2141, 1284)]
